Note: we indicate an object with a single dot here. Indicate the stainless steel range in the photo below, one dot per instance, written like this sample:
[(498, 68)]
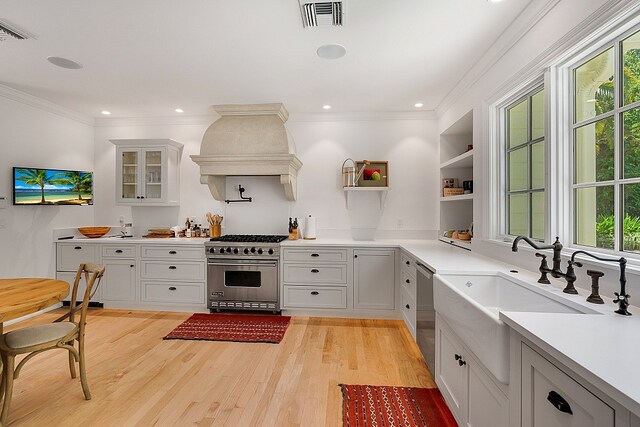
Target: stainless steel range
[(242, 272)]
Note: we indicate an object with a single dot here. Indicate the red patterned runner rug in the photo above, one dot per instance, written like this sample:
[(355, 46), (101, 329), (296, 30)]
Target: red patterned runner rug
[(231, 327), (383, 406)]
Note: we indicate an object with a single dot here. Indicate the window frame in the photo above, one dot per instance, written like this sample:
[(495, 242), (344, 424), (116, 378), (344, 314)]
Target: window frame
[(530, 142), (614, 40)]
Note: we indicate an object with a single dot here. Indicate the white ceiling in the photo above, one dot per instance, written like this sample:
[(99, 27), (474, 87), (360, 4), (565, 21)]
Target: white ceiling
[(145, 58)]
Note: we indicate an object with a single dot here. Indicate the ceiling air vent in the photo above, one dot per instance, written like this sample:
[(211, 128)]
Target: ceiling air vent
[(322, 13), (8, 32)]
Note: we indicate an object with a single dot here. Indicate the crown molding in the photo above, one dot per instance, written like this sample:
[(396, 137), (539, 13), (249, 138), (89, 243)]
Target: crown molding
[(44, 105), (505, 42), (156, 121), (355, 117)]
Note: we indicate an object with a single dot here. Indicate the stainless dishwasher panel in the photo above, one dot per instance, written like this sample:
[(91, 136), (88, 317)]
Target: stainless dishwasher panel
[(426, 316)]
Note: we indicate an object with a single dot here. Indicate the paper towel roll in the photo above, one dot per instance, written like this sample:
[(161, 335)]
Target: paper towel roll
[(310, 228)]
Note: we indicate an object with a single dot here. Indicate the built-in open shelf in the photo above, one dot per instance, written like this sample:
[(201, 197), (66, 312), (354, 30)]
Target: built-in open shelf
[(464, 160), (454, 198), (465, 244), (382, 193)]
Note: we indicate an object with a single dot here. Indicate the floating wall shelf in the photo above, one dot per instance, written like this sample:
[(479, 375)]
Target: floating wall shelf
[(382, 193)]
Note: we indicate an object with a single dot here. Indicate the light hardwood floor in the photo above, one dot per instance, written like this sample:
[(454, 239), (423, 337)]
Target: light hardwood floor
[(137, 379)]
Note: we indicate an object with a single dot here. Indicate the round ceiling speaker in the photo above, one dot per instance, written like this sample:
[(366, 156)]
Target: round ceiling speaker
[(331, 51), (64, 63)]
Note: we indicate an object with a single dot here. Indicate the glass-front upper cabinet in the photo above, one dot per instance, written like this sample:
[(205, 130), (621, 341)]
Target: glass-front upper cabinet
[(147, 171)]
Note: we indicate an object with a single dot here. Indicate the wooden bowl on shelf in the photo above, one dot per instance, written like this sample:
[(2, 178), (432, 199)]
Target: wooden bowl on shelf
[(93, 232)]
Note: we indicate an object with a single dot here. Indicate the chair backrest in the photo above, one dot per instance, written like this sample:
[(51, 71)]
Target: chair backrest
[(92, 274)]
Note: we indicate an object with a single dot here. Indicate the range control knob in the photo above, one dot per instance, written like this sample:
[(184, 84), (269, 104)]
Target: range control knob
[(246, 251), (235, 250), (229, 250), (211, 250), (260, 251), (221, 250), (270, 251), (253, 250)]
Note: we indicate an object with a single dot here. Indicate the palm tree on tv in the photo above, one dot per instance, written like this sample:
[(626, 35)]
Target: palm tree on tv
[(81, 181), (35, 177)]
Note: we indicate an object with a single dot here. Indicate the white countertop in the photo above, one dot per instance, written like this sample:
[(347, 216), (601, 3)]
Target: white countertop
[(601, 348), (124, 240)]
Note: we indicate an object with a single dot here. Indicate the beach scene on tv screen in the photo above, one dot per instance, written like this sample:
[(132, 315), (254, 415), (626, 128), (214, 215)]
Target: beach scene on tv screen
[(52, 187)]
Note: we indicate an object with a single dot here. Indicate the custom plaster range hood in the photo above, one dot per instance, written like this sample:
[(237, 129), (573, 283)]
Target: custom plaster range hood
[(248, 140)]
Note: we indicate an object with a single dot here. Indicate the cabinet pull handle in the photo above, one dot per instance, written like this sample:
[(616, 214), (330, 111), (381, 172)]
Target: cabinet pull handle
[(118, 251), (172, 267), (408, 263), (315, 293), (460, 360), (408, 281), (315, 270), (408, 307), (559, 403), (78, 247), (132, 266), (355, 256), (457, 356), (172, 288), (315, 255), (172, 252)]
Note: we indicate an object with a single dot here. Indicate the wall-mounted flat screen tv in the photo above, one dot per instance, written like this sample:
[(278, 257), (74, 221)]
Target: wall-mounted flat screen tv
[(32, 186)]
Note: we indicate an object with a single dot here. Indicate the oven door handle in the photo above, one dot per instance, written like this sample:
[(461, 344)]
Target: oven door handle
[(261, 263)]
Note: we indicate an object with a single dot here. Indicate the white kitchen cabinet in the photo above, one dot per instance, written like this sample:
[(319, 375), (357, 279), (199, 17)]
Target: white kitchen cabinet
[(119, 281), (315, 278), (472, 396), (69, 256), (374, 279), (148, 172), (550, 398)]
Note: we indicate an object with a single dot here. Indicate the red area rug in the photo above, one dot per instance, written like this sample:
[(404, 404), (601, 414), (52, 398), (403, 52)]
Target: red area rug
[(382, 406), (231, 327)]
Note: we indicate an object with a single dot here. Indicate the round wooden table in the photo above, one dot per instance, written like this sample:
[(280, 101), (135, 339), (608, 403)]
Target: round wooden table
[(19, 297)]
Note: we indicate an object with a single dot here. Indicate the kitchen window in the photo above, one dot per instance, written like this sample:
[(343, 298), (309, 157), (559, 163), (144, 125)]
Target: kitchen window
[(525, 165), (605, 145)]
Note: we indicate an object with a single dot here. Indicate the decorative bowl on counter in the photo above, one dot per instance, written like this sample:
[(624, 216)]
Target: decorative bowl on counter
[(93, 232)]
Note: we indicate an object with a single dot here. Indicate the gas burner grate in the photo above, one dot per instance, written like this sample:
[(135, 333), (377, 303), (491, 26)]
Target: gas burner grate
[(250, 238)]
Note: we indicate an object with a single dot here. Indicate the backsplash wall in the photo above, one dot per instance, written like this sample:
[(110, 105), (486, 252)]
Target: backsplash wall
[(408, 143)]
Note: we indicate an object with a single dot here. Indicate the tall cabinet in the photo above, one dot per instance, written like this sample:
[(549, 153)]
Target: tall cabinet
[(148, 171), (456, 162)]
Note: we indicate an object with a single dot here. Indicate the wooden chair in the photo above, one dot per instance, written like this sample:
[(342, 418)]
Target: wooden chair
[(59, 334)]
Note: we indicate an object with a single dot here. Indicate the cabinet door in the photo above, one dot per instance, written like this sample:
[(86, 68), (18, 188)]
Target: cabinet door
[(451, 376), (550, 398), (128, 176), (119, 280), (374, 279), (69, 277), (153, 174), (488, 406)]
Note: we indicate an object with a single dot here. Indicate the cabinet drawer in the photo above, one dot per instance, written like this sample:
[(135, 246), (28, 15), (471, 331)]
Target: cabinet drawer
[(316, 255), (179, 270), (408, 265), (69, 256), (318, 297), (172, 252), (113, 251), (408, 283), (187, 293), (409, 311), (311, 273), (543, 383)]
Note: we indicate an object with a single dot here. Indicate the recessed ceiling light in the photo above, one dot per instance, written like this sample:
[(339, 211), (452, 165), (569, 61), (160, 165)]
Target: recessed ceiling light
[(331, 51), (179, 110), (494, 1), (327, 107), (418, 104), (64, 63), (105, 112)]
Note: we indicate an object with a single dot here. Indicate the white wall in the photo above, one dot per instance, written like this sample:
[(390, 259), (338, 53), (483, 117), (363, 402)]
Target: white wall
[(555, 25), (32, 137), (408, 143)]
